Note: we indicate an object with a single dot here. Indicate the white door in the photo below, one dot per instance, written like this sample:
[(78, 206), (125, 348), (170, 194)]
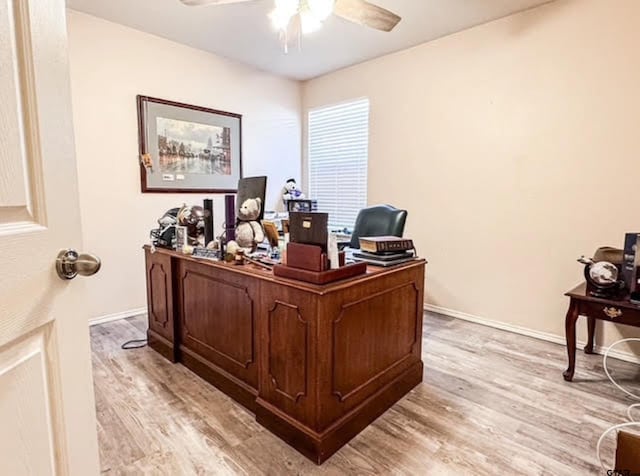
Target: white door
[(47, 415)]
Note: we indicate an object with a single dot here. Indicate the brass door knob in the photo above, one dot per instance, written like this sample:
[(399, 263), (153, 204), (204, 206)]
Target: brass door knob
[(70, 263)]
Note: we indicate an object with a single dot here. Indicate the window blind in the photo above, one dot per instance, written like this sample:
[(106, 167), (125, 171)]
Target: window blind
[(338, 155)]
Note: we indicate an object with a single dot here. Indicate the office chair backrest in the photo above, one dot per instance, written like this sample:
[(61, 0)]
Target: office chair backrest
[(379, 220)]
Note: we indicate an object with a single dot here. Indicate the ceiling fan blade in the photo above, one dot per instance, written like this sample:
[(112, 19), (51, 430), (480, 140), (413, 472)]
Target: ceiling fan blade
[(364, 13), (198, 3)]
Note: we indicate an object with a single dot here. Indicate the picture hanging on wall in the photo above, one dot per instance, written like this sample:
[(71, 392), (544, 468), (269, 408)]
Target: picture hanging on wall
[(188, 149)]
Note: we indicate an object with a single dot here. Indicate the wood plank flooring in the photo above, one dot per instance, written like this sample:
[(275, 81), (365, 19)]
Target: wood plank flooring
[(491, 403)]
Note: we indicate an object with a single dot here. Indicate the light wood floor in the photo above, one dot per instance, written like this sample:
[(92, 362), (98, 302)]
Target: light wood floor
[(491, 403)]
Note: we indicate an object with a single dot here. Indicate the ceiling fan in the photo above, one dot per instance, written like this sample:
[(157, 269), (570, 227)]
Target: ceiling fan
[(306, 16)]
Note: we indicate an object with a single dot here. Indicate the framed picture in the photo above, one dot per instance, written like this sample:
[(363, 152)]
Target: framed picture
[(271, 230), (182, 238), (300, 205), (188, 149)]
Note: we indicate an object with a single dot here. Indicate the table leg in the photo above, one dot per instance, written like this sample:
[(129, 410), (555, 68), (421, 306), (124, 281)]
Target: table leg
[(591, 326), (570, 332)]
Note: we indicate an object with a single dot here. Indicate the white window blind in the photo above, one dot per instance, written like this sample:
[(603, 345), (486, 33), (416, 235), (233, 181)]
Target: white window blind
[(338, 156)]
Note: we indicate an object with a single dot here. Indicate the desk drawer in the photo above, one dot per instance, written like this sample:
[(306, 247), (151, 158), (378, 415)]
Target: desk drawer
[(611, 313)]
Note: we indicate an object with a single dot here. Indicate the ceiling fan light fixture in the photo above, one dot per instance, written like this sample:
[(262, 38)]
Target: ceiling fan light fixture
[(283, 12), (321, 9), (309, 23), (280, 19)]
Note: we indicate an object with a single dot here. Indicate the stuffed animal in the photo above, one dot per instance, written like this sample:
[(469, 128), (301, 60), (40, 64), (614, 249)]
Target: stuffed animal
[(249, 232), (291, 191)]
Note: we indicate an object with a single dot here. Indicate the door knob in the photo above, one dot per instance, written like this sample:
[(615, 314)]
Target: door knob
[(70, 263)]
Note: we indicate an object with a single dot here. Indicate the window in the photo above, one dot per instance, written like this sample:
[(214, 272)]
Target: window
[(338, 156)]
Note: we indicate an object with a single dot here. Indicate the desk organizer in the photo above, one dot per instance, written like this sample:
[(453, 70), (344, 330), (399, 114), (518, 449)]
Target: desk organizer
[(320, 277)]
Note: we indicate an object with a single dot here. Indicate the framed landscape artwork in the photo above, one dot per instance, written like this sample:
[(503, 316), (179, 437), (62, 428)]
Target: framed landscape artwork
[(188, 149)]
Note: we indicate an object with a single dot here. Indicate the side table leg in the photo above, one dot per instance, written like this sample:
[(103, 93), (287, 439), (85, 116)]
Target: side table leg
[(570, 332), (591, 326)]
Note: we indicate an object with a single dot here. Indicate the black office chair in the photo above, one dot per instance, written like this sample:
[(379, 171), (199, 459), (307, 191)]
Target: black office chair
[(379, 220)]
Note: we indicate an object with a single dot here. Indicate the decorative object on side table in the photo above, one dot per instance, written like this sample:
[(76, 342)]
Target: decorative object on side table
[(601, 272), (186, 148)]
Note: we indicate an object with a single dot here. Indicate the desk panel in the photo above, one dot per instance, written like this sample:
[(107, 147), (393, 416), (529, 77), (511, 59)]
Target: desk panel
[(218, 319), (316, 363), (160, 305)]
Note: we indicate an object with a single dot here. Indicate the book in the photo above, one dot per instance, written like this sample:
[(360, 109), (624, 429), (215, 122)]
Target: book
[(383, 263), (377, 244), (385, 256)]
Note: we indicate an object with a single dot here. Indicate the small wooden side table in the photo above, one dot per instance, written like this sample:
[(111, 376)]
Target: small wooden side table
[(620, 311)]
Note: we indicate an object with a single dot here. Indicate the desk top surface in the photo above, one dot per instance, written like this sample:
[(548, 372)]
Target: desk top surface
[(580, 293), (373, 272)]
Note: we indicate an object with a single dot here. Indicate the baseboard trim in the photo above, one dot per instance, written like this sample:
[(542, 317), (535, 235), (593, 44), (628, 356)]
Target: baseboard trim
[(545, 336), (117, 316)]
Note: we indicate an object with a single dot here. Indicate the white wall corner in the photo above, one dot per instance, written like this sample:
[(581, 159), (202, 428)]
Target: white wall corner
[(545, 336)]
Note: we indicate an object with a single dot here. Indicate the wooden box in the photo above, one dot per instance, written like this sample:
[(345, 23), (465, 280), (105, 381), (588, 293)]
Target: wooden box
[(320, 277), (307, 257)]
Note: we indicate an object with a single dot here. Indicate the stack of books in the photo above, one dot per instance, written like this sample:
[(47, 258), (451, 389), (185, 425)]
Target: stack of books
[(385, 250)]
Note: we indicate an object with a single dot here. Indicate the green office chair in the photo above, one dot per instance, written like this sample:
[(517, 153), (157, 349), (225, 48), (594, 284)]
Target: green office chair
[(379, 220)]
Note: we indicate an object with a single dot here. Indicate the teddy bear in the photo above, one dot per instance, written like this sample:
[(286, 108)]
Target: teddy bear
[(249, 232), (291, 191)]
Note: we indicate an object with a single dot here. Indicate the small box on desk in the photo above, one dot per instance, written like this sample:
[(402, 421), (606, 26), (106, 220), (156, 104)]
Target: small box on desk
[(320, 277), (308, 257), (309, 263)]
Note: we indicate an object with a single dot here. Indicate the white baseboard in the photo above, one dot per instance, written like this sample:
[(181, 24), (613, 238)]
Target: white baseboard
[(117, 316), (546, 336)]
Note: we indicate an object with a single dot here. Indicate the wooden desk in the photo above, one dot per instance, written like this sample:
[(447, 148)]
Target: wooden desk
[(316, 364), (620, 311)]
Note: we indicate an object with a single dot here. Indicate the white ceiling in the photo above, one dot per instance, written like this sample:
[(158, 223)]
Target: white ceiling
[(243, 32)]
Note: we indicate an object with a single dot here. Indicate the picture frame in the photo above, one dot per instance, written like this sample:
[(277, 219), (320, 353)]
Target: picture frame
[(188, 149), (182, 238), (271, 232), (300, 205)]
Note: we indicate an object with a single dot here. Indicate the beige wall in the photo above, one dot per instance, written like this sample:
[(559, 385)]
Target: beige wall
[(515, 146), (110, 65)]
